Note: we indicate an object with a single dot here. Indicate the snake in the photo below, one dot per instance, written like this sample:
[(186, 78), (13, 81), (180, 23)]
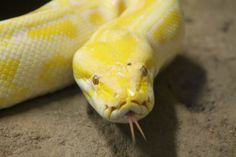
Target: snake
[(113, 49)]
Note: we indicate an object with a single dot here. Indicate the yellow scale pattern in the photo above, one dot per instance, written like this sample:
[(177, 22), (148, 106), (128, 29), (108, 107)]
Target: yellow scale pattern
[(66, 28), (126, 53), (36, 49)]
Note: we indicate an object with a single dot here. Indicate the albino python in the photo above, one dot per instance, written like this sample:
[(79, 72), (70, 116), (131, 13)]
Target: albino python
[(116, 48)]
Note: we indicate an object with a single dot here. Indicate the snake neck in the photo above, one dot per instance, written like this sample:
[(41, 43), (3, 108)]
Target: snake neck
[(160, 22)]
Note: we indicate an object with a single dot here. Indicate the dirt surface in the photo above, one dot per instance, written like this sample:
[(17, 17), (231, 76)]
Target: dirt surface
[(194, 116)]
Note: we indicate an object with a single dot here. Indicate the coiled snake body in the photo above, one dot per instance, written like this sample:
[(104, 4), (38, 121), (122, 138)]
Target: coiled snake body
[(115, 67)]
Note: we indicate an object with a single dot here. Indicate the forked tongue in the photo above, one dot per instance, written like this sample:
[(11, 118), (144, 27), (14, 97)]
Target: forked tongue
[(132, 120)]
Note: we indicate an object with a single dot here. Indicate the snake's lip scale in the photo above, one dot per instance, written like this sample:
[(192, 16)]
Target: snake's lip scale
[(119, 114)]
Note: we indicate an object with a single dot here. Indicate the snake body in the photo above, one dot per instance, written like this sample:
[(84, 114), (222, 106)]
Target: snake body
[(36, 49), (115, 67)]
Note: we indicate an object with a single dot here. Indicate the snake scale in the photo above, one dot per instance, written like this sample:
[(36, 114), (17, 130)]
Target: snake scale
[(113, 48)]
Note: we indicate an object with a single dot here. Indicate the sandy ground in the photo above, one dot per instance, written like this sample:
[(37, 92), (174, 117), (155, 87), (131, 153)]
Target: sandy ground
[(195, 113)]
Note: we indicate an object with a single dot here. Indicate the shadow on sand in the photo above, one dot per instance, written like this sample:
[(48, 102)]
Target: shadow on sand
[(180, 83)]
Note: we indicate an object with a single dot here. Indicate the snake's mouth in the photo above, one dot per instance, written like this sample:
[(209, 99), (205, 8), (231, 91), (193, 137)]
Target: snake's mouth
[(130, 112), (119, 114)]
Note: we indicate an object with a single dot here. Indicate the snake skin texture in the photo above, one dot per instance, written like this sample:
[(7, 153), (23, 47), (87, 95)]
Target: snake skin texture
[(36, 49), (114, 49)]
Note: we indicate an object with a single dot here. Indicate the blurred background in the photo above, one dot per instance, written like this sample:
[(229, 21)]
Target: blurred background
[(13, 8)]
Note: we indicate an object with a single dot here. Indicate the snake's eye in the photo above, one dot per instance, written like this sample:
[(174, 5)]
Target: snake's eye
[(144, 71), (95, 80)]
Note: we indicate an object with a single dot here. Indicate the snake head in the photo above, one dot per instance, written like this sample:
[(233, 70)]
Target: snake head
[(115, 70)]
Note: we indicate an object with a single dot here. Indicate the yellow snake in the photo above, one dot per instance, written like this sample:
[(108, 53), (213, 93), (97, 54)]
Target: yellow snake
[(117, 47)]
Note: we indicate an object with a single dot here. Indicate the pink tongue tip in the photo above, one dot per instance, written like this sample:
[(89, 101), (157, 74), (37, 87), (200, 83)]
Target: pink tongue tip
[(131, 120)]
